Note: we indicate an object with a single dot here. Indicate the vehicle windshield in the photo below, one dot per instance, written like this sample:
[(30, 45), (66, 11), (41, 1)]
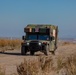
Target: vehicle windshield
[(43, 37), (32, 37), (38, 37)]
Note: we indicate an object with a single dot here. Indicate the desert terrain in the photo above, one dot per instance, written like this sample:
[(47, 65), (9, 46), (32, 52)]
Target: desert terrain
[(11, 59)]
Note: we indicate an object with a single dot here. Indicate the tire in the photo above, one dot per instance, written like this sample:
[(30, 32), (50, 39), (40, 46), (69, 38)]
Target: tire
[(32, 53), (23, 51), (46, 51), (53, 52)]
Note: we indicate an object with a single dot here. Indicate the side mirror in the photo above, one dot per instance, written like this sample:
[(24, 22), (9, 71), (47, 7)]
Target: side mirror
[(23, 37)]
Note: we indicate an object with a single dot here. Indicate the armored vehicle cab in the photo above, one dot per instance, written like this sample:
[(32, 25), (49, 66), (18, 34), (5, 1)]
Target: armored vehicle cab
[(39, 38)]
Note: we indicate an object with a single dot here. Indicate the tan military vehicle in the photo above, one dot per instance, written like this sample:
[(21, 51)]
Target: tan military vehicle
[(39, 37)]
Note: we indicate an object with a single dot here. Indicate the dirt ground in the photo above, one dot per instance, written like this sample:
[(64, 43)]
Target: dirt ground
[(10, 59)]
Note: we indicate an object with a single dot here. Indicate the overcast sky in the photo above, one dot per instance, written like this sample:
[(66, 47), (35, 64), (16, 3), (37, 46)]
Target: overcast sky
[(16, 14)]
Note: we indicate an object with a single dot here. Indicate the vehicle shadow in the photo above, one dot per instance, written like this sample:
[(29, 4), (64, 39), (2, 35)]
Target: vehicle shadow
[(9, 53), (19, 54)]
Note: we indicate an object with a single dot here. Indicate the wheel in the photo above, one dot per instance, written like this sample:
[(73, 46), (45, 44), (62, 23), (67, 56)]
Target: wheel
[(31, 53), (23, 51), (46, 51), (53, 52)]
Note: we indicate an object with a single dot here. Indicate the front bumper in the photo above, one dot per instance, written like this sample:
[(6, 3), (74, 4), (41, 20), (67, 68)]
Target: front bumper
[(33, 46)]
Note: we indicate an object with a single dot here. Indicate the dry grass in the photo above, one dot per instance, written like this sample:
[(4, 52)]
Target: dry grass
[(2, 72), (28, 68), (37, 67), (10, 44), (44, 65), (68, 64), (67, 43)]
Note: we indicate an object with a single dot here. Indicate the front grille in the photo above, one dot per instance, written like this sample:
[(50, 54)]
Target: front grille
[(34, 46)]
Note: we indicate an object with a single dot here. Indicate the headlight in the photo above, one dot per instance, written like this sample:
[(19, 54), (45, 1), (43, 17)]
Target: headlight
[(27, 43), (39, 43)]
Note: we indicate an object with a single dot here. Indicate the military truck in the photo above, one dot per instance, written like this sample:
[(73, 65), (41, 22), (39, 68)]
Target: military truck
[(41, 37)]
